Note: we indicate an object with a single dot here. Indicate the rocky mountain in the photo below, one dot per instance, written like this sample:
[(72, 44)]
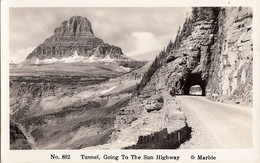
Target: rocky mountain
[(75, 35), (74, 50)]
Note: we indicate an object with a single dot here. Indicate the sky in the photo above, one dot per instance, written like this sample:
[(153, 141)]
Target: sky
[(135, 30)]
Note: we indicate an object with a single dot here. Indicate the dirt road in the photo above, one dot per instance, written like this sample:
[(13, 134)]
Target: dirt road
[(216, 125)]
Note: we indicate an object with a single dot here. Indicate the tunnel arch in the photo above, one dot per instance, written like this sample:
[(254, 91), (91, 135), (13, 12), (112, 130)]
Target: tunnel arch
[(194, 79)]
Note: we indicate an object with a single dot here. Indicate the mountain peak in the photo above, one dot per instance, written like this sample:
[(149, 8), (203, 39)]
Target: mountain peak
[(75, 26), (75, 35)]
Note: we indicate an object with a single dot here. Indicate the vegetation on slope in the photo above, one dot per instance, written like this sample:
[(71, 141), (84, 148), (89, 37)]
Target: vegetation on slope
[(198, 13)]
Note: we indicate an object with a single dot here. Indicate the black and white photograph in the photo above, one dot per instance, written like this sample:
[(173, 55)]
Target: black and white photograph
[(129, 79), (74, 90)]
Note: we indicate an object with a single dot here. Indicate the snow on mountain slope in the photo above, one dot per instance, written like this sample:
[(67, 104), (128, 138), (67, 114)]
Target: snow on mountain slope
[(75, 58)]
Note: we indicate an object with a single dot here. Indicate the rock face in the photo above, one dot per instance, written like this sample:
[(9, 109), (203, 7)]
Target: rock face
[(213, 50), (230, 71), (17, 138), (163, 128), (75, 34)]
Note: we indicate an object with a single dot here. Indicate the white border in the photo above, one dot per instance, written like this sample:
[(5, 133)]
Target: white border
[(37, 156)]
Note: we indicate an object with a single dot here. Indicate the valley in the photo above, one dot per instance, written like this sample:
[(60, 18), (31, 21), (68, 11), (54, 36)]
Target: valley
[(75, 111)]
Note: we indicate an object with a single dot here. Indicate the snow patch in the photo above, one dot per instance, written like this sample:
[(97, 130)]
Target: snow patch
[(108, 90), (85, 94), (108, 59), (96, 59), (46, 61), (125, 68), (75, 58)]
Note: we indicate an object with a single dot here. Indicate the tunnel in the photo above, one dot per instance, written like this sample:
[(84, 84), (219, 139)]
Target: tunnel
[(194, 79)]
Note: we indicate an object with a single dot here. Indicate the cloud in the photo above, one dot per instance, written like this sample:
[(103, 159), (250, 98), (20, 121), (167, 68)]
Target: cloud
[(144, 42), (120, 26), (20, 55)]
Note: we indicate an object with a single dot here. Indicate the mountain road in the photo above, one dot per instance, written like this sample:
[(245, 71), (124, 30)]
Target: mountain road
[(216, 125)]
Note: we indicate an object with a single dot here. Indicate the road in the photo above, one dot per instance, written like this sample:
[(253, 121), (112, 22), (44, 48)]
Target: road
[(217, 125)]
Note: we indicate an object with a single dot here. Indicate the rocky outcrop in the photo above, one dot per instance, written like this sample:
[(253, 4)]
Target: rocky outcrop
[(231, 63), (165, 128), (75, 35), (105, 50), (17, 138), (172, 131), (213, 50), (153, 104)]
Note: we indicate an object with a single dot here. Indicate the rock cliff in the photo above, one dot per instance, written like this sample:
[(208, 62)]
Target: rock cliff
[(231, 63), (75, 35), (214, 50)]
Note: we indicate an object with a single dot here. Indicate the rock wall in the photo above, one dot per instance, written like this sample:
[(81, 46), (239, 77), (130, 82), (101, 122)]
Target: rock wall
[(162, 139), (230, 72), (214, 50)]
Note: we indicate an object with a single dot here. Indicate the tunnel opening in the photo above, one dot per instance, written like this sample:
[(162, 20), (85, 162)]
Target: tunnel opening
[(195, 90), (194, 79)]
